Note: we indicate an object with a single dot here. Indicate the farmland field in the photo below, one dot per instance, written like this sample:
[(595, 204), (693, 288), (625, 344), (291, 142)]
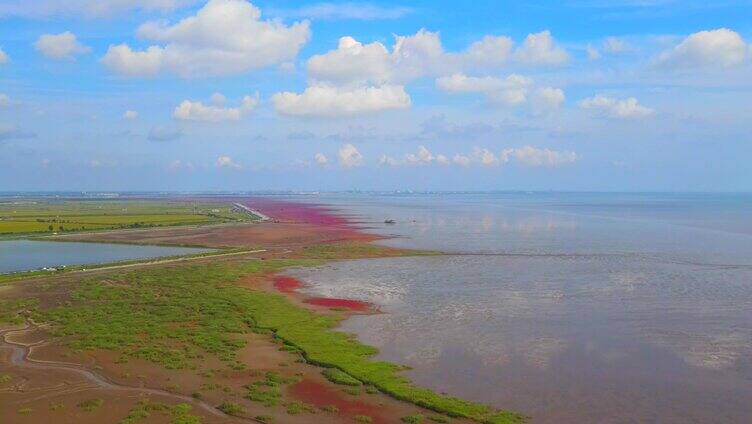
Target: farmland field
[(46, 216)]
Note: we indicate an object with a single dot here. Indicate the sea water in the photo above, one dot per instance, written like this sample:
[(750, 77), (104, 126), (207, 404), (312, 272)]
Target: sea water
[(587, 308)]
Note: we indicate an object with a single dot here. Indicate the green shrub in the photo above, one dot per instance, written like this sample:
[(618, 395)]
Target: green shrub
[(294, 408), (329, 408), (412, 419), (231, 408), (337, 376), (91, 404), (171, 315), (354, 391)]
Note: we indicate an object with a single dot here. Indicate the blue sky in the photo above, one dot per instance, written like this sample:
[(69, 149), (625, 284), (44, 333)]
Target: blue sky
[(237, 95)]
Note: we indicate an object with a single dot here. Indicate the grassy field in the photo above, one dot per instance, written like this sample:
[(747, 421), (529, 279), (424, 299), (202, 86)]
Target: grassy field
[(175, 316), (53, 216)]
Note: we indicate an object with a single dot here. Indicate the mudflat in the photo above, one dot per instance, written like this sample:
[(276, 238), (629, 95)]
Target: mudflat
[(212, 340)]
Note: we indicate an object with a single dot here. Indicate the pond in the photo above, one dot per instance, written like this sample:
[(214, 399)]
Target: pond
[(26, 255)]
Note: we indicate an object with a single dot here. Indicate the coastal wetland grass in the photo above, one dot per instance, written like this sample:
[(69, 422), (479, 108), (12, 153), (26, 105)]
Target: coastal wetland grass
[(337, 376), (39, 217), (91, 405), (177, 315), (179, 414)]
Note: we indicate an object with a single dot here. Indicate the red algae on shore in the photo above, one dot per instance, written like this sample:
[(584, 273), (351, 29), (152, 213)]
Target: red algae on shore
[(306, 213), (290, 285), (329, 302), (320, 394), (286, 284)]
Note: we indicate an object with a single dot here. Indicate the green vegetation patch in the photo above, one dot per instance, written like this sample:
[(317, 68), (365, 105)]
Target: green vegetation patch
[(46, 216), (337, 376), (295, 408), (91, 405), (231, 408), (174, 315), (268, 391), (12, 311), (180, 413)]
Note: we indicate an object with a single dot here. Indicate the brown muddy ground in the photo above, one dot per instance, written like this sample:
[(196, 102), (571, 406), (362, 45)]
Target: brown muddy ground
[(266, 234), (294, 225), (42, 381)]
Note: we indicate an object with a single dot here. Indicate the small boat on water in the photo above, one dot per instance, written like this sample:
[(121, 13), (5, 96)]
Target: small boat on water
[(389, 221)]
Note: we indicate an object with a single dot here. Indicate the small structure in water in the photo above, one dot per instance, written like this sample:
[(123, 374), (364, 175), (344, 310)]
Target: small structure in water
[(389, 221)]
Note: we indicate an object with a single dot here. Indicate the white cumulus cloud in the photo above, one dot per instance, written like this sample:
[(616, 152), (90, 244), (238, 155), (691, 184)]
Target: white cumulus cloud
[(615, 45), (178, 165), (60, 46), (547, 98), (422, 54), (487, 158), (224, 37), (510, 90), (349, 156), (227, 163), (462, 160), (532, 156), (329, 101), (592, 52), (125, 61), (611, 107), (352, 61), (218, 99), (483, 157), (715, 48), (422, 157), (491, 51), (541, 49), (412, 56), (197, 111), (321, 159)]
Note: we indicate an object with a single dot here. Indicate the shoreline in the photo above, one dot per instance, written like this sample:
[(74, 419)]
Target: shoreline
[(325, 237)]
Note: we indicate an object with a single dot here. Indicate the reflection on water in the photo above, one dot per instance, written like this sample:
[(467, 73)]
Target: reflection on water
[(567, 310), (25, 255)]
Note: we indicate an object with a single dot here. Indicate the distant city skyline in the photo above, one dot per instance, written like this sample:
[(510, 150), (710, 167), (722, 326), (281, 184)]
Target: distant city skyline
[(232, 95)]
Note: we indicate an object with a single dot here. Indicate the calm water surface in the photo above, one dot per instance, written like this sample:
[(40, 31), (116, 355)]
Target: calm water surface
[(567, 307), (24, 255)]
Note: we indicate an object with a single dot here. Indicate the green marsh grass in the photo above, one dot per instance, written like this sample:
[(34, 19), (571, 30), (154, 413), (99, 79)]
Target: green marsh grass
[(337, 376), (176, 315)]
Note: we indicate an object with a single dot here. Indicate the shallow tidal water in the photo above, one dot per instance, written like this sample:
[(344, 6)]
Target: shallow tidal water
[(587, 308)]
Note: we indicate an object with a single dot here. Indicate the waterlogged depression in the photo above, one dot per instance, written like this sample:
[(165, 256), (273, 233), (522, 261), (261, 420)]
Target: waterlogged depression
[(568, 308)]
